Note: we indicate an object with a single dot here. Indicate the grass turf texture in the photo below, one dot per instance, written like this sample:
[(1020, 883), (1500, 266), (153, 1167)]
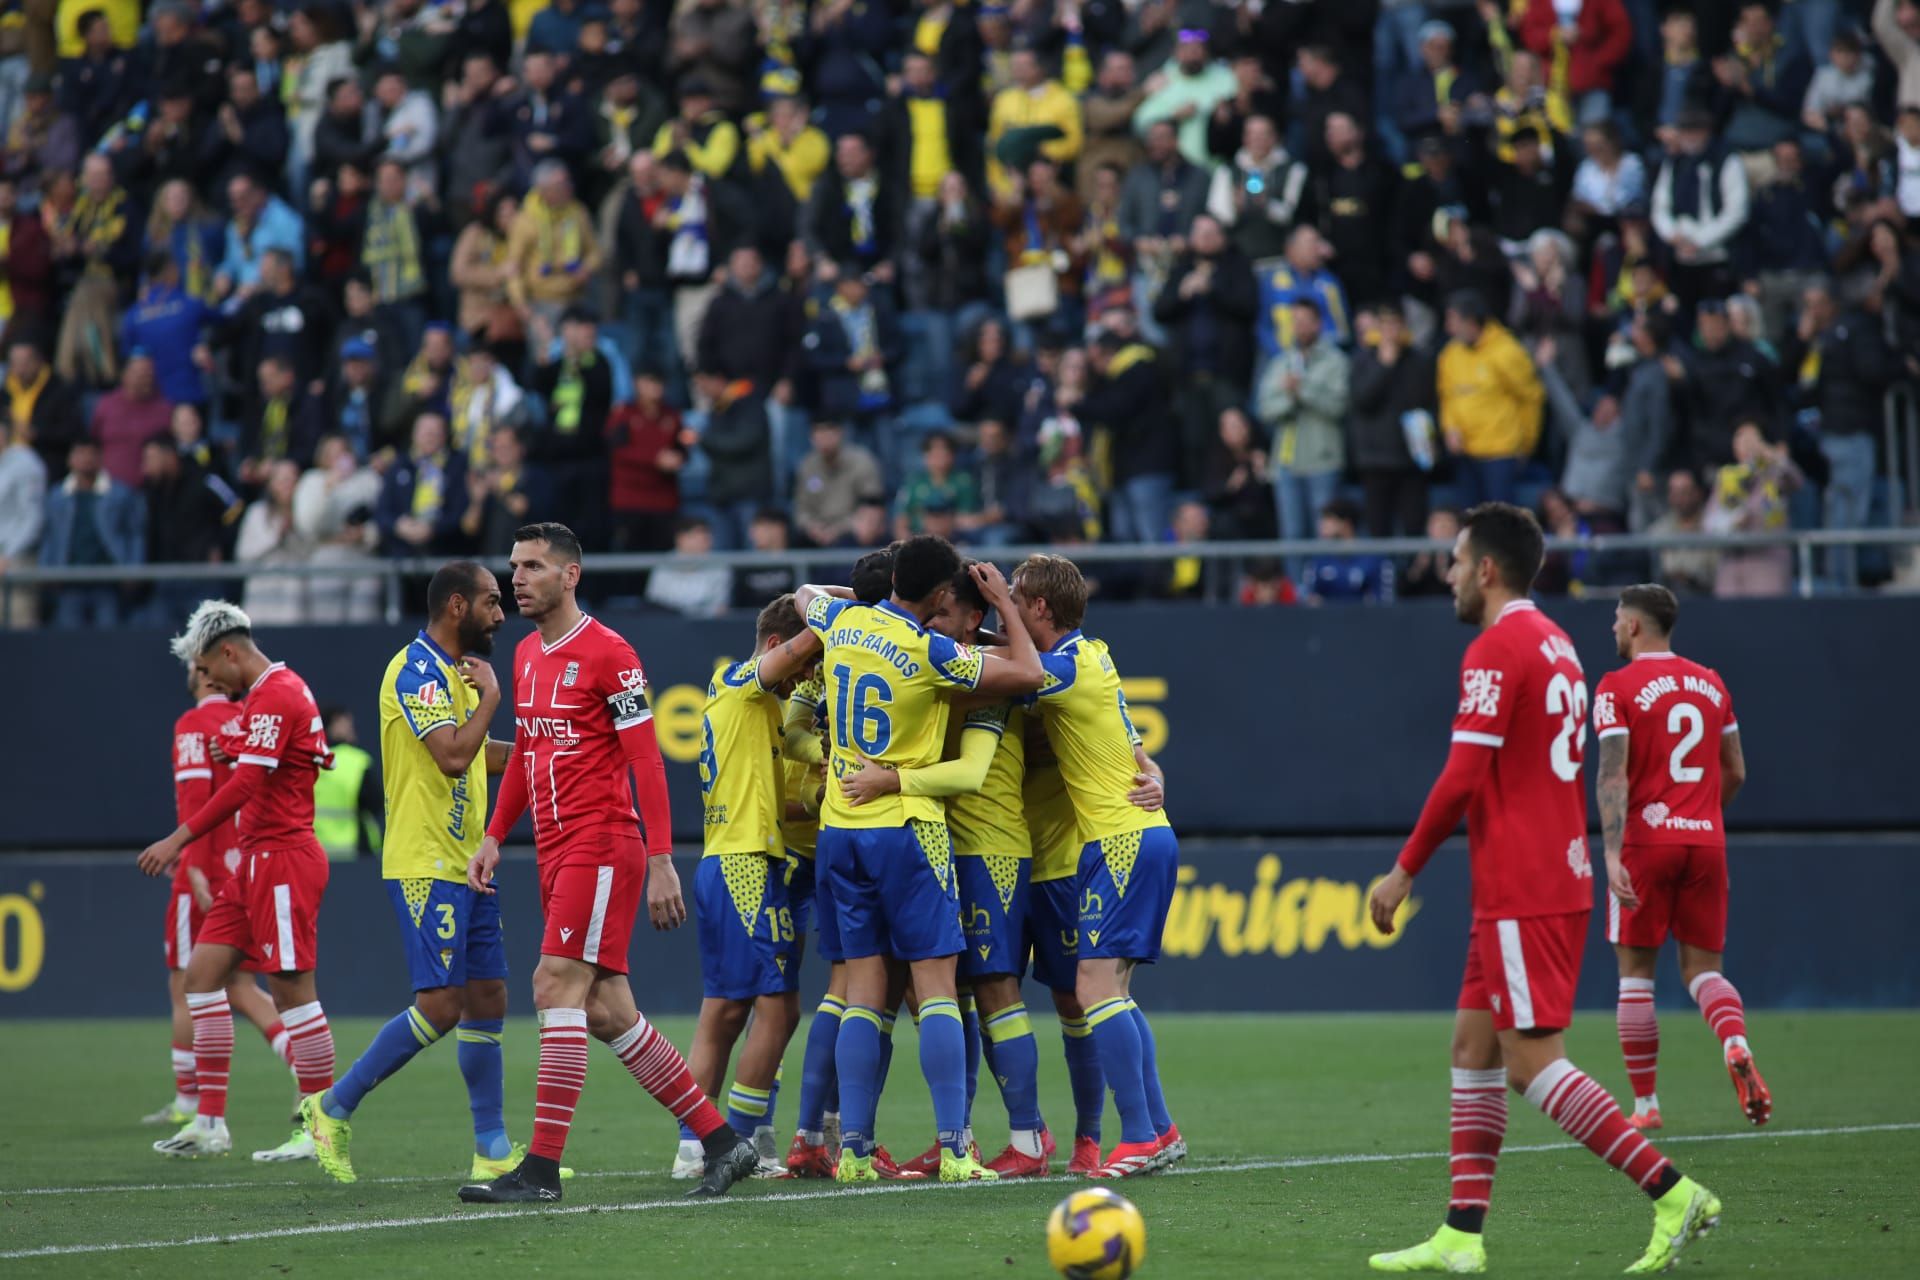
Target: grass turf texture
[(1246, 1090)]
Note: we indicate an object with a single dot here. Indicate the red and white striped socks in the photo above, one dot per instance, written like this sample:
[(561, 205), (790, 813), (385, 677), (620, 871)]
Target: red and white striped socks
[(650, 1058), (1590, 1116), (1639, 1040), (310, 1041), (212, 1050), (563, 1074), (1479, 1126), (186, 1090), (279, 1041), (1720, 1006)]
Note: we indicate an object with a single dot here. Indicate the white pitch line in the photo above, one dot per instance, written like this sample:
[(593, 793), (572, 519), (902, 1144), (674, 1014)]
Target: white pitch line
[(897, 1188)]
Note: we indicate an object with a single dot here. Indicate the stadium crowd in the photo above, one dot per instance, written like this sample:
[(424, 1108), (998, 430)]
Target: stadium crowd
[(348, 281)]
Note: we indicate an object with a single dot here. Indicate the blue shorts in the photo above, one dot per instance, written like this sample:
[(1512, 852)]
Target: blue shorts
[(826, 919), (993, 913), (1053, 921), (740, 907), (451, 934), (893, 890), (793, 942), (1126, 886)]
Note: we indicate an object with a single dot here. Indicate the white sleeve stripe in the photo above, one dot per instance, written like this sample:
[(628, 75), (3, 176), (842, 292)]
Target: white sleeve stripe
[(1479, 739), (1617, 731), (993, 729), (265, 762), (1730, 728), (182, 775)]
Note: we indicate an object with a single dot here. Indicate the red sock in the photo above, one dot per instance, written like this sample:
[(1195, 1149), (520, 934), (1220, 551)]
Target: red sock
[(279, 1041), (1590, 1115), (184, 1083), (563, 1073), (1479, 1126), (652, 1060), (1639, 1034), (310, 1041), (1720, 1006), (212, 1049)]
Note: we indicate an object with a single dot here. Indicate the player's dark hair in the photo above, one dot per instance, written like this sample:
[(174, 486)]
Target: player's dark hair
[(1510, 537), (780, 619), (922, 565), (564, 542), (1654, 603), (1059, 582), (967, 591), (455, 578), (872, 577)]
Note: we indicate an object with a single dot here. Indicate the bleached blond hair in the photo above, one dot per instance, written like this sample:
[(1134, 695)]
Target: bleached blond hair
[(212, 622)]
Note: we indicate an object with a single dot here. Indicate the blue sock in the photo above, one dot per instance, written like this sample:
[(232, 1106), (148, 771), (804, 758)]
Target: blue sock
[(1015, 1063), (393, 1047), (748, 1108), (943, 1060), (970, 1025), (1121, 1061), (817, 1077), (1150, 1061), (1089, 1084), (773, 1096), (477, 1043), (856, 1059), (880, 1073)]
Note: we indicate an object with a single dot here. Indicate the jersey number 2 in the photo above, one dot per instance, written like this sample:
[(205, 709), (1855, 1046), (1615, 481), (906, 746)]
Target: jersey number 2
[(1685, 716), (1567, 699)]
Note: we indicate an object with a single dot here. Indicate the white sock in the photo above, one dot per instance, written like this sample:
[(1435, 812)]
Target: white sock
[(1027, 1142), (1736, 1042), (1649, 1103), (210, 1124), (813, 1137)]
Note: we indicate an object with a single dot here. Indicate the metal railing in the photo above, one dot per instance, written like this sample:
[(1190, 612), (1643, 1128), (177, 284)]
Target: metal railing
[(831, 564)]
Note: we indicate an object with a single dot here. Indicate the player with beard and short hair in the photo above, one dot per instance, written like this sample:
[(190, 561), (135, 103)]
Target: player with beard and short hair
[(584, 746), (1514, 773), (437, 697)]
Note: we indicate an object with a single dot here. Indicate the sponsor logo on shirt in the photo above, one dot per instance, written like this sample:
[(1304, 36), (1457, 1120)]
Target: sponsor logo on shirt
[(1660, 818), (1480, 691)]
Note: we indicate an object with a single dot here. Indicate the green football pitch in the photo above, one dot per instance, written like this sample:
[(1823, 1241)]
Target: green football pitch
[(1316, 1141)]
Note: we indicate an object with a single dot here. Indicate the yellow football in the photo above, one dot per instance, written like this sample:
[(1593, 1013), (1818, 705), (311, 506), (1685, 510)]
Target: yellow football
[(1096, 1234)]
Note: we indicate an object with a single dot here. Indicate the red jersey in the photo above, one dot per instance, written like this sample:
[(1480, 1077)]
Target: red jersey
[(581, 718), (196, 776), (1522, 693), (279, 731), (1674, 713)]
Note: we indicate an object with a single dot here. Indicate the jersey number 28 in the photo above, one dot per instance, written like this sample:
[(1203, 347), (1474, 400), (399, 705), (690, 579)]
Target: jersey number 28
[(1567, 698)]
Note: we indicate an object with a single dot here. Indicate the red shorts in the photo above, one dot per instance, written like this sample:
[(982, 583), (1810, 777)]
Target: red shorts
[(184, 918), (589, 894), (1683, 892), (270, 912), (1525, 971)]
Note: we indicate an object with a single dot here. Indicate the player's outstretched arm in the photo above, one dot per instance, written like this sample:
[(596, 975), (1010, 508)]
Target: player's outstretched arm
[(811, 591), (1733, 766), (248, 777), (498, 753), (962, 775), (800, 731), (787, 660), (1019, 671), (1611, 789)]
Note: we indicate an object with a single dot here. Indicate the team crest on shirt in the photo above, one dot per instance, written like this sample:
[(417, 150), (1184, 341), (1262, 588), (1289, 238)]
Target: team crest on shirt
[(446, 957), (1577, 860), (572, 674), (232, 859), (1654, 814)]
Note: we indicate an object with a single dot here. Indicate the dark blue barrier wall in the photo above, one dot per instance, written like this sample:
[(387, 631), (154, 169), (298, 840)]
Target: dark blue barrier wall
[(1253, 927), (1269, 721)]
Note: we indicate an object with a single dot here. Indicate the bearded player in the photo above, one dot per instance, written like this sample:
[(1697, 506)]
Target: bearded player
[(267, 917), (1514, 771), (583, 726), (199, 769), (1670, 761)]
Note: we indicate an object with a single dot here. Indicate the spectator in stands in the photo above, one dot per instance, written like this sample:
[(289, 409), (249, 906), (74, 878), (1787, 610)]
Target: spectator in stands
[(1593, 36), (1680, 79), (169, 326), (1031, 103), (1610, 181), (546, 122), (333, 515), (96, 251), (853, 347), (1333, 576), (283, 422), (1687, 570), (1066, 504), (1840, 366), (633, 229), (939, 479), (1896, 25), (1207, 312), (1724, 381), (833, 479), (701, 132), (1355, 191), (186, 524), (269, 538), (1003, 480), (424, 495), (1254, 94), (736, 440), (751, 331), (1845, 79), (344, 137), (481, 272), (28, 257), (1303, 276), (481, 396), (1787, 249), (23, 512), (261, 221), (573, 379), (393, 251), (504, 493), (952, 272), (702, 222), (922, 144), (1750, 496), (1765, 80), (1490, 399), (768, 533), (1128, 398), (645, 454), (1159, 200), (479, 155), (1187, 92), (551, 251), (97, 87), (1189, 577), (42, 140), (1328, 91), (320, 58), (1549, 300), (1700, 203), (1427, 572), (996, 381), (1260, 193), (1392, 412), (39, 408), (355, 404), (715, 42), (249, 133), (857, 214), (1304, 397), (1432, 94), (1472, 259), (1109, 109), (1604, 450), (1646, 404), (692, 590), (1239, 499), (407, 123), (127, 417), (787, 153), (92, 521), (1041, 221), (426, 384)]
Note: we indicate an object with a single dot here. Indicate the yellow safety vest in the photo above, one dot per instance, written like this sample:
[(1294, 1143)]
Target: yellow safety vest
[(336, 805)]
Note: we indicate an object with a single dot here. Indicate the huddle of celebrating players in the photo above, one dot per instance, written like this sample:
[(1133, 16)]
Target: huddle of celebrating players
[(944, 805)]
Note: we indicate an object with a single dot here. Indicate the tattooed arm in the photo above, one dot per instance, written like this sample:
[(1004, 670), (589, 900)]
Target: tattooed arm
[(1613, 814)]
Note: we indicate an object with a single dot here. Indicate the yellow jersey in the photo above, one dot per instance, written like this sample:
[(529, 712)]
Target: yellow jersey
[(798, 777), (1055, 834), (434, 823), (887, 678), (1085, 714), (740, 764), (992, 819)]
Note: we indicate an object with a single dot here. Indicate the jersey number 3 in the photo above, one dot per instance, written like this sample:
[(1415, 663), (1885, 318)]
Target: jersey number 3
[(1567, 698)]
